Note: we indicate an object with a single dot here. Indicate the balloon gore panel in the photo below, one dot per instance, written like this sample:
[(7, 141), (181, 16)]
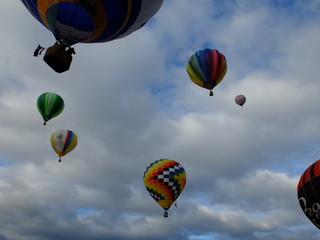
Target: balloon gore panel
[(69, 20)]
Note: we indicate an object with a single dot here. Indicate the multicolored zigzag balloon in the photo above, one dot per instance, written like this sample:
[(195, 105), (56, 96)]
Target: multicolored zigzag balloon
[(165, 180)]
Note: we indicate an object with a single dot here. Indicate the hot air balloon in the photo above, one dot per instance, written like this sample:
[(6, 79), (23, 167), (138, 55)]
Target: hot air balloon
[(207, 68), (49, 105), (63, 141), (165, 180), (309, 193), (88, 21), (240, 100)]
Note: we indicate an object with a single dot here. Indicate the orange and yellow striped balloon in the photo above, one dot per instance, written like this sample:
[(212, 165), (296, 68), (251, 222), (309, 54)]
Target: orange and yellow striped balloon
[(165, 180)]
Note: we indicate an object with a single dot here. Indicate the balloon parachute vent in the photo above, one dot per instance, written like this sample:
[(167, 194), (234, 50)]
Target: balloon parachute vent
[(211, 93), (58, 58)]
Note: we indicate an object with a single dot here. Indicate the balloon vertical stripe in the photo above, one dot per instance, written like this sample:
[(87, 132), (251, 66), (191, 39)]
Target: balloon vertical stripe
[(125, 20), (69, 142)]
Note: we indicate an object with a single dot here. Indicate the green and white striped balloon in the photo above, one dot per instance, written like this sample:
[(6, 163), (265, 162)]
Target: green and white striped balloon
[(49, 105)]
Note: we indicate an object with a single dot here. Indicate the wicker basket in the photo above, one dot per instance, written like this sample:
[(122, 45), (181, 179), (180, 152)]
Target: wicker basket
[(58, 58)]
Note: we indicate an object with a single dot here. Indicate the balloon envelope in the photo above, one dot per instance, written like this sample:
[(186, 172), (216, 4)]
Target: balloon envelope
[(165, 179), (309, 193), (49, 105), (73, 21), (206, 68), (240, 100), (63, 141)]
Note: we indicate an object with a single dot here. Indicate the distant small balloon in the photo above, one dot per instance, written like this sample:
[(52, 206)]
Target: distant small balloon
[(240, 100)]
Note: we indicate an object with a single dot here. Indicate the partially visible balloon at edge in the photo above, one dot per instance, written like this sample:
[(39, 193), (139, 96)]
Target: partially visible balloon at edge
[(74, 21), (94, 21), (308, 191)]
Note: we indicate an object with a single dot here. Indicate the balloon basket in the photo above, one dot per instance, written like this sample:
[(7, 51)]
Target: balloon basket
[(211, 93), (58, 58), (165, 214)]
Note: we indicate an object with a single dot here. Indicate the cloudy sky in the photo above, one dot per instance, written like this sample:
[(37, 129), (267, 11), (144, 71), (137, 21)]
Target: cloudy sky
[(131, 103)]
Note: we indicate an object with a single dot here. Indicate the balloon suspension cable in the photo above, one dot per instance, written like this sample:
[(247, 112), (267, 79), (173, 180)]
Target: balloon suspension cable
[(211, 93), (165, 214), (67, 46), (39, 49), (63, 42), (36, 31)]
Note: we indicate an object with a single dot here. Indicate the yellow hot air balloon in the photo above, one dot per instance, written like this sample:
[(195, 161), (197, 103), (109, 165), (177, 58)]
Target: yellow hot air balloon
[(63, 141)]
